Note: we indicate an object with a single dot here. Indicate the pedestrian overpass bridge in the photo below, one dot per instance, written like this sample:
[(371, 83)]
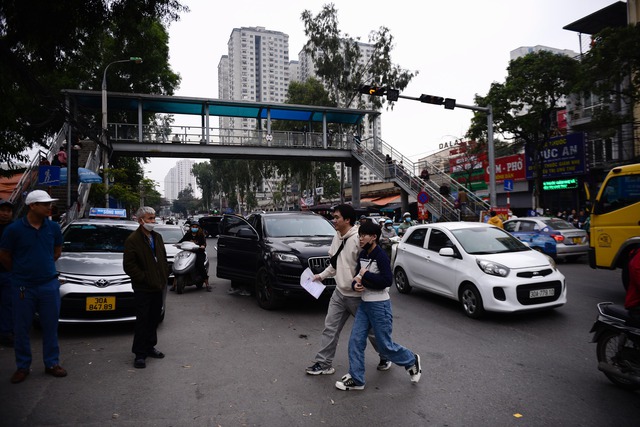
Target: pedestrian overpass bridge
[(266, 142)]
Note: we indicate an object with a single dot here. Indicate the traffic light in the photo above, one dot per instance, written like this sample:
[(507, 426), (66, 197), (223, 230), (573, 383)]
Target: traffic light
[(431, 99), (449, 103), (372, 90), (393, 94)]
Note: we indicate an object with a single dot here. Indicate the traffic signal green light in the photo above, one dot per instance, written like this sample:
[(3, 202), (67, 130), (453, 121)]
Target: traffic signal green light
[(431, 99)]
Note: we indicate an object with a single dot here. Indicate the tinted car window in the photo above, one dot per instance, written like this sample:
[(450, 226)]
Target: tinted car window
[(96, 237), (438, 240), (620, 192), (416, 238), (232, 225), (510, 226), (527, 226)]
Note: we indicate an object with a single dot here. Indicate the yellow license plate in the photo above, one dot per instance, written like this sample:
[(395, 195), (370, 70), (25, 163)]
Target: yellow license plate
[(101, 303), (577, 240)]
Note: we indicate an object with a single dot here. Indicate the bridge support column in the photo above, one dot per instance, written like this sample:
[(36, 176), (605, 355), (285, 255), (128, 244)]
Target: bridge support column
[(404, 200), (355, 185)]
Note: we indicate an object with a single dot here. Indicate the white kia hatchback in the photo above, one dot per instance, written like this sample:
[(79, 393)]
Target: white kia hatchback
[(481, 266)]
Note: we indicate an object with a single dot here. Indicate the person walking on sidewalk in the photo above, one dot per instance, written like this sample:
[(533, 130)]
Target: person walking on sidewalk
[(372, 282), (145, 261), (29, 249), (344, 301)]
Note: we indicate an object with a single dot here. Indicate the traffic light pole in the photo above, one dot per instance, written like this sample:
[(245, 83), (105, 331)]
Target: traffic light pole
[(490, 148), (449, 104)]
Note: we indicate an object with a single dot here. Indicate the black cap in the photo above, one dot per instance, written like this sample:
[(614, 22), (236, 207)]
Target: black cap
[(4, 202)]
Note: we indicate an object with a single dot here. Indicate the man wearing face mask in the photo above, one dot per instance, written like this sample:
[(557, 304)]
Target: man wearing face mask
[(145, 261), (406, 223), (388, 232)]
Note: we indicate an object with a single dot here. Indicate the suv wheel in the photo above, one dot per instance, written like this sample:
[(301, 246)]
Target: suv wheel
[(267, 297)]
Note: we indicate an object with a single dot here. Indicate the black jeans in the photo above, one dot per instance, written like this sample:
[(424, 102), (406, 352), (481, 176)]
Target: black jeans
[(200, 257), (148, 312)]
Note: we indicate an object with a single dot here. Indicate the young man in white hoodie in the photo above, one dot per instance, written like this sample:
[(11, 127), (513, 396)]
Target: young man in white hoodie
[(344, 302)]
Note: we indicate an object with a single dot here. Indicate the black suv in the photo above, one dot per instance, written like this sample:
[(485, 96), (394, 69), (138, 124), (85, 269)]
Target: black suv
[(272, 250)]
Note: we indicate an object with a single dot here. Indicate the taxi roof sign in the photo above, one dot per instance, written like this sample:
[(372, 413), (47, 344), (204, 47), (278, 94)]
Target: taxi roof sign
[(107, 213)]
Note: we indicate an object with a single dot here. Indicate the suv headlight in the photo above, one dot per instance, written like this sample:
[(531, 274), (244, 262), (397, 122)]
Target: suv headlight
[(493, 268), (284, 257)]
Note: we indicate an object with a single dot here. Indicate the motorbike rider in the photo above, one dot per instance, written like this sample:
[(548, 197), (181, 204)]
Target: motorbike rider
[(387, 232), (406, 223), (196, 235), (632, 299)]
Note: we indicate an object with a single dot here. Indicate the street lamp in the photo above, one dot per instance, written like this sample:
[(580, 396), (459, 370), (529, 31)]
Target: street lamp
[(105, 139)]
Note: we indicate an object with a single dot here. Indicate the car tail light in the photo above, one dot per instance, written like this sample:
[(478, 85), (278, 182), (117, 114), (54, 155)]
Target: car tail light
[(558, 238)]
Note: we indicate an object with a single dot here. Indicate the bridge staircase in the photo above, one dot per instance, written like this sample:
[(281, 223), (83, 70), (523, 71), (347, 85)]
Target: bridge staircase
[(89, 155), (400, 170)]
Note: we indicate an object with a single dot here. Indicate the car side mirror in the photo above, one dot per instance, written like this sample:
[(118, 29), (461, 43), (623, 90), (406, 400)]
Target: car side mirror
[(448, 252)]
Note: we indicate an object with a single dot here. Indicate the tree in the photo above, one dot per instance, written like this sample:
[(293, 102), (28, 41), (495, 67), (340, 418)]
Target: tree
[(186, 203), (525, 104), (46, 46), (337, 59), (610, 71)]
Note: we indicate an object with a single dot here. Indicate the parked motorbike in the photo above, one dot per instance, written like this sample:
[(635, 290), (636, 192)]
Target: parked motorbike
[(618, 345), (184, 267)]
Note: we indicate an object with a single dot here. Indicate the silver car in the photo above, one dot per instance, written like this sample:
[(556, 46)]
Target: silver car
[(571, 242), (93, 284), (171, 234)]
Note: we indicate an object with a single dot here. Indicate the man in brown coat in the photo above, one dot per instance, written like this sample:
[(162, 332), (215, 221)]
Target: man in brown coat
[(145, 261)]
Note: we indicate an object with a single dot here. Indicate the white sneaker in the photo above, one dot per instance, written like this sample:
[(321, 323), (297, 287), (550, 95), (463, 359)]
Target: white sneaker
[(416, 370), (348, 383)]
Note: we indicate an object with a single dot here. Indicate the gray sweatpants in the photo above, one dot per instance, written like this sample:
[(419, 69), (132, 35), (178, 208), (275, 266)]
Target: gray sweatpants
[(340, 308)]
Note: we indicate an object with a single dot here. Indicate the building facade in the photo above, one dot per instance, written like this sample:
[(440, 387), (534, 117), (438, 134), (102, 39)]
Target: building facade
[(179, 178)]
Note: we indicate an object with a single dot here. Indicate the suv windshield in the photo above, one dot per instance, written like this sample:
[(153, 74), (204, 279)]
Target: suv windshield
[(297, 226), (96, 237)]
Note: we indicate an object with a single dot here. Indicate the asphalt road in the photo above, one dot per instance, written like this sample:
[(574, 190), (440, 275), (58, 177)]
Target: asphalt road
[(230, 363)]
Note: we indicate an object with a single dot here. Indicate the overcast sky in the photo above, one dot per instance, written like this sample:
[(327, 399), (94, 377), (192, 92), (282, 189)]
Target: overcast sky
[(459, 48)]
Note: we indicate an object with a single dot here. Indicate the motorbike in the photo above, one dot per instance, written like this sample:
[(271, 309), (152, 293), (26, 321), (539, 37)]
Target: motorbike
[(617, 335), (184, 267)]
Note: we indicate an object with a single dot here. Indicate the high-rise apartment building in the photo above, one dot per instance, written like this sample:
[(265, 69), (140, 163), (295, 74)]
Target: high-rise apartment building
[(179, 178)]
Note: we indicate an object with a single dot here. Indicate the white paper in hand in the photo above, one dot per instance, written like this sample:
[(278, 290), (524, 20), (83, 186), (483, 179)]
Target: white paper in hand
[(315, 288)]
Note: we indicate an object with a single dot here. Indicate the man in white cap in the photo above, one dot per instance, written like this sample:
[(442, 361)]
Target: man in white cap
[(29, 248)]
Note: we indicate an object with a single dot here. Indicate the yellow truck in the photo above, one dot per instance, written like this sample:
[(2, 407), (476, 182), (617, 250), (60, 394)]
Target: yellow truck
[(615, 220)]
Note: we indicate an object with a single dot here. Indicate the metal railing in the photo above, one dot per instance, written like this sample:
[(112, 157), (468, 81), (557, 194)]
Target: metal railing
[(389, 164)]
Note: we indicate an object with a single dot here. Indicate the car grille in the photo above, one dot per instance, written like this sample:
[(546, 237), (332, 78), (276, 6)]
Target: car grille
[(74, 306), (97, 281), (523, 292), (318, 264), (537, 273)]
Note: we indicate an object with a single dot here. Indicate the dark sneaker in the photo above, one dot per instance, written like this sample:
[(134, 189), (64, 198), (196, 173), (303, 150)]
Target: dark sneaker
[(139, 363), (317, 369), (415, 371), (348, 383), (56, 370), (384, 365), (156, 354), (19, 376)]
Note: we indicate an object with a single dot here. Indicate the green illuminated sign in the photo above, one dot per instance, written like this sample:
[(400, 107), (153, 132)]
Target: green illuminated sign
[(560, 184)]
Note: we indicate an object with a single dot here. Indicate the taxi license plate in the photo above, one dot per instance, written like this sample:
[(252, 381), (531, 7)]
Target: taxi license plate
[(540, 293), (577, 240), (101, 303)]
